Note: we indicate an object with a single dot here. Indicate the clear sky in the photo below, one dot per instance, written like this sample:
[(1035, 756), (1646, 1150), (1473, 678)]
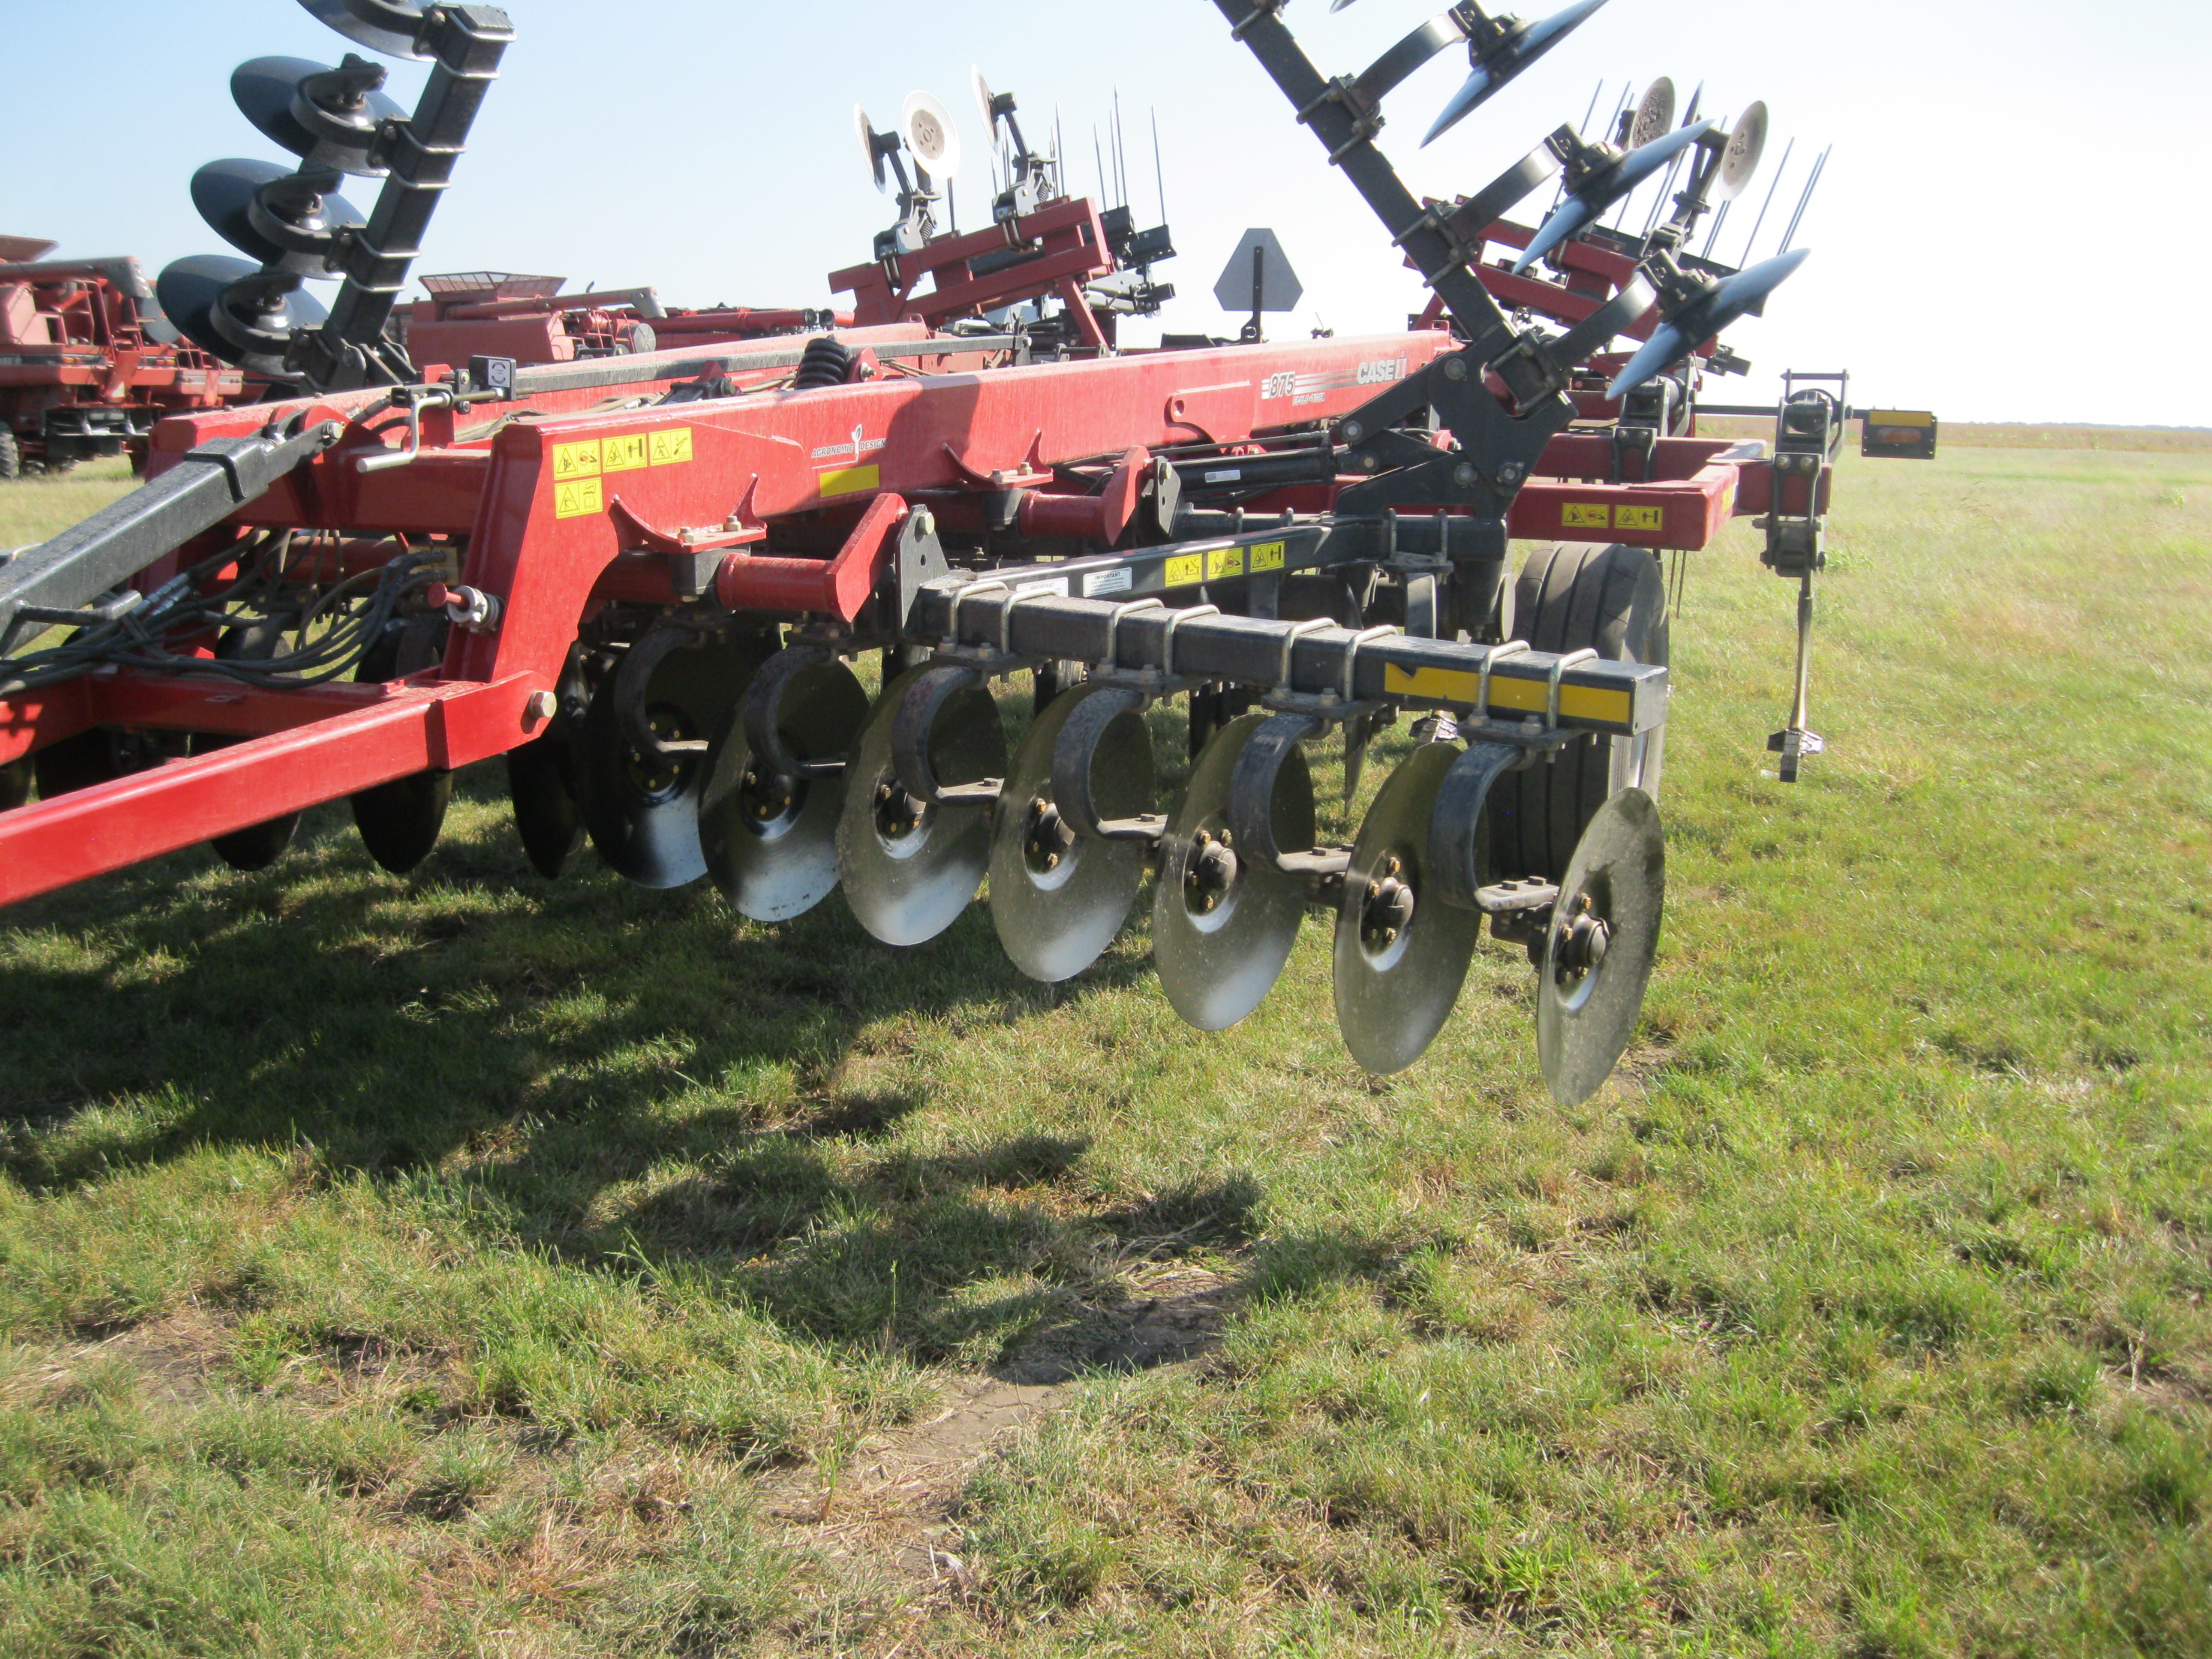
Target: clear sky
[(2012, 227)]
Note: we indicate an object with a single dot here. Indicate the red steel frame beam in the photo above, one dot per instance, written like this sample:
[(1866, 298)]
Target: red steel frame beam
[(1071, 251), (405, 730), (538, 504)]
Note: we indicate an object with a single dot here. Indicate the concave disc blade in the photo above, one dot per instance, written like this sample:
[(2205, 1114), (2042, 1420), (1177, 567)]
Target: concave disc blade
[(399, 821), (643, 811), (258, 845), (542, 784), (1654, 115), (1584, 1020), (223, 191), (1739, 160), (1218, 961), (187, 288), (262, 89), (1057, 906), (907, 880), (770, 842), (1394, 994), (391, 42)]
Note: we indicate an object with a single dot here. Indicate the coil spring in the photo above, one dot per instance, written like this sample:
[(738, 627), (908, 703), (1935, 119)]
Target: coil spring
[(824, 363)]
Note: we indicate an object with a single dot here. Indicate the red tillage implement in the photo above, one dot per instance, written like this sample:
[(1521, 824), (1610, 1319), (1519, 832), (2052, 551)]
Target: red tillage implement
[(87, 362), (645, 579)]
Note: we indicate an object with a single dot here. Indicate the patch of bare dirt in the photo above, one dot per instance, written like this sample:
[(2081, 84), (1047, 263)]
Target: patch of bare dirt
[(170, 1357), (881, 1519)]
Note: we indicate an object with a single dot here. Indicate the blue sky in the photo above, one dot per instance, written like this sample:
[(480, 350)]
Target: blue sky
[(2005, 232)]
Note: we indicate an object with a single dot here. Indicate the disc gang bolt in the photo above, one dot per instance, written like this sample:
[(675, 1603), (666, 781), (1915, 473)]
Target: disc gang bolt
[(1212, 869), (1049, 839), (1388, 910)]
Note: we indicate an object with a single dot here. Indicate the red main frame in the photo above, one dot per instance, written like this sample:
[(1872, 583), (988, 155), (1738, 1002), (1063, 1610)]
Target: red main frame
[(561, 511)]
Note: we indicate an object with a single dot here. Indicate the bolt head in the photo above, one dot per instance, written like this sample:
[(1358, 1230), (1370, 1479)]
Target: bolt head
[(1464, 474), (543, 705), (1454, 369)]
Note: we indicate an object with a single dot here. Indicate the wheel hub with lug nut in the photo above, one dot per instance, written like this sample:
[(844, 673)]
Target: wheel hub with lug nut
[(768, 795), (1212, 869), (1048, 839), (1388, 910), (1584, 939), (897, 812)]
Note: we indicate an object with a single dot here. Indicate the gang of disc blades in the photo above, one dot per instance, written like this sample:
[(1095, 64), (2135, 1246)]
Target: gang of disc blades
[(543, 787), (1058, 902), (224, 192), (1739, 160), (1584, 1018), (641, 810), (393, 42), (188, 290), (909, 868), (1394, 994), (263, 87), (771, 841), (1654, 114), (931, 136), (1217, 962)]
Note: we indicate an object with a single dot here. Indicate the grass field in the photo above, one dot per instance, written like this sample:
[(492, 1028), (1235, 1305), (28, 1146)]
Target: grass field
[(465, 1264)]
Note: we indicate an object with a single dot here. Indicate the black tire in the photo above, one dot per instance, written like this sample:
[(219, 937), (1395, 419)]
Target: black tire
[(1574, 596), (12, 457)]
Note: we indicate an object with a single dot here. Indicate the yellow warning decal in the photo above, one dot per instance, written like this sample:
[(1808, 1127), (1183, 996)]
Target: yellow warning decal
[(1267, 555), (576, 460), (1899, 417), (671, 446), (575, 499), (1585, 515), (1458, 687), (1224, 562), (624, 454), (1640, 518), (1184, 570), (850, 481)]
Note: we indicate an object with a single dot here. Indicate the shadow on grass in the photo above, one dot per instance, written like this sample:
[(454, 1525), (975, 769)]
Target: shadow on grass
[(626, 1080)]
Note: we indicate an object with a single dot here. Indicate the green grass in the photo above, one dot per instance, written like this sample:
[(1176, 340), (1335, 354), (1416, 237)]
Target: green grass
[(33, 508), (456, 1264)]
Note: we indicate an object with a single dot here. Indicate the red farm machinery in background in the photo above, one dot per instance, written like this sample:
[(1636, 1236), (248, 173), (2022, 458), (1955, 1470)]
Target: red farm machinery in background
[(735, 607), (88, 361), (497, 313)]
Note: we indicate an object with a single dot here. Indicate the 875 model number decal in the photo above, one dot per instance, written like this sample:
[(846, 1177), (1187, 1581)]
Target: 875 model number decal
[(1312, 388)]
